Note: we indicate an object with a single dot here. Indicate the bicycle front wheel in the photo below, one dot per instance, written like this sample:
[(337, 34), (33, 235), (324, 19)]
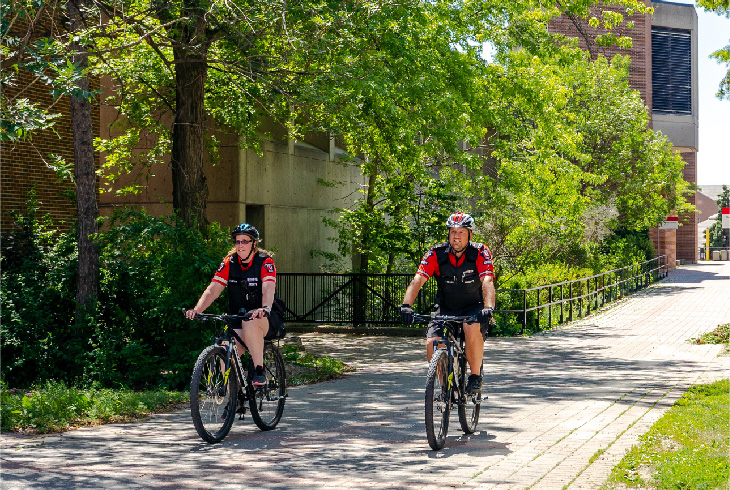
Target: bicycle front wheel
[(438, 394), (267, 402), (469, 408), (213, 395)]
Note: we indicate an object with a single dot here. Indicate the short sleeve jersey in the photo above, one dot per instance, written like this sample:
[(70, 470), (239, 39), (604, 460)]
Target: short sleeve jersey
[(267, 274), (429, 265)]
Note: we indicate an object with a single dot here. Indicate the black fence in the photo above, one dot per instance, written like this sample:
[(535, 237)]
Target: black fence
[(373, 299)]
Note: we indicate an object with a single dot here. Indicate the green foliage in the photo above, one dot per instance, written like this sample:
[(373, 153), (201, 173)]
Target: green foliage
[(151, 268), (719, 236), (686, 448), (44, 54), (53, 406), (722, 55), (135, 335), (40, 338), (721, 335)]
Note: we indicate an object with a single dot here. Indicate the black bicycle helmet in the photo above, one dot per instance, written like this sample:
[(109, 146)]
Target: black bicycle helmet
[(245, 229), (461, 220)]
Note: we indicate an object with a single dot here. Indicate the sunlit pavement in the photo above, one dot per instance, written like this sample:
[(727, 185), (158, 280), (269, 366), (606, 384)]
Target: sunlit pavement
[(562, 410)]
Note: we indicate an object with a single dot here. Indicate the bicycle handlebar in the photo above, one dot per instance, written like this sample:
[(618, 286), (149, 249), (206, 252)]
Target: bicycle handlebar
[(443, 318), (222, 317)]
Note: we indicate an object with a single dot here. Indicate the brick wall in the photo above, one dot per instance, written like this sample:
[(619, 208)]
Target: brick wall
[(24, 165), (687, 238), (667, 244), (640, 52), (682, 243)]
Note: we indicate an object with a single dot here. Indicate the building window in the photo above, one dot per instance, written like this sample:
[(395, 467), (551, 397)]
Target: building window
[(671, 70)]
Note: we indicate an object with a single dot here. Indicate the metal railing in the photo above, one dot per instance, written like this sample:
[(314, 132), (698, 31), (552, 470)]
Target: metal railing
[(373, 299), (543, 306)]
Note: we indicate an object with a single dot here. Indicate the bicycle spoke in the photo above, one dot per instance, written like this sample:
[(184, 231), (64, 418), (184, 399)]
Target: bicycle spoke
[(212, 395), (267, 404)]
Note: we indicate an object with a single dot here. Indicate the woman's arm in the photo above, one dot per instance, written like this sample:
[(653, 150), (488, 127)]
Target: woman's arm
[(210, 294)]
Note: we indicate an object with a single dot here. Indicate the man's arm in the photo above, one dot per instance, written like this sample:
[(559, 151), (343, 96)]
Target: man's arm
[(413, 288), (489, 294)]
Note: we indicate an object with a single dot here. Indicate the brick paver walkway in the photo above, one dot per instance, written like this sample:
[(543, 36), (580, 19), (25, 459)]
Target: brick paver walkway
[(555, 401)]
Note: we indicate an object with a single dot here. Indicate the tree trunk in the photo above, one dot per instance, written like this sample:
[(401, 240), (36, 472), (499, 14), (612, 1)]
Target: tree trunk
[(189, 189), (85, 172), (369, 207)]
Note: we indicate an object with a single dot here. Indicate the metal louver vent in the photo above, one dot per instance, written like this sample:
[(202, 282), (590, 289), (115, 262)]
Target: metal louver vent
[(671, 70)]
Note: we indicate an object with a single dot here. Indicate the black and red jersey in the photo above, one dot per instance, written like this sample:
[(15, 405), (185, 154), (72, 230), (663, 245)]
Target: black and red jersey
[(245, 280)]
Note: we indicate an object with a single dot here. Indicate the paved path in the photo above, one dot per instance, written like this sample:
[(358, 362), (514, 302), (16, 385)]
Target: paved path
[(555, 401)]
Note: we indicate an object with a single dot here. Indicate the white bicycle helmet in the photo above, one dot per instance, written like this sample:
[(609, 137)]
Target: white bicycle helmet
[(460, 220)]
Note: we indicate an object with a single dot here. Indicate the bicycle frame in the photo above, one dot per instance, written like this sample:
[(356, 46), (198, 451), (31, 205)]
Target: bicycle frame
[(232, 356), (449, 359), (457, 354), (229, 337)]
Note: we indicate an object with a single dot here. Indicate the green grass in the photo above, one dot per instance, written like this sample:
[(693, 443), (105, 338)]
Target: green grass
[(306, 368), (721, 335), (54, 407), (688, 448)]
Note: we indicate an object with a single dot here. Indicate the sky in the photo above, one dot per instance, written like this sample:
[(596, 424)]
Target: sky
[(713, 152)]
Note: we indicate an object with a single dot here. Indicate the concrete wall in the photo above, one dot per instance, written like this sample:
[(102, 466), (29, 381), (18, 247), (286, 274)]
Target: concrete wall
[(706, 207), (282, 189), (278, 191)]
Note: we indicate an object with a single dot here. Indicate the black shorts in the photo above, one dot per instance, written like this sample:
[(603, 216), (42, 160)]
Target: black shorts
[(436, 329), (276, 327)]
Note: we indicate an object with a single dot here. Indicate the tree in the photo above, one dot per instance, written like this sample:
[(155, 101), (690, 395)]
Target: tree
[(722, 55), (530, 172), (36, 41), (84, 167), (719, 236), (229, 63)]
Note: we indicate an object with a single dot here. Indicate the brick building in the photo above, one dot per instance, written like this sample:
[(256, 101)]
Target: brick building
[(664, 71), (27, 165)]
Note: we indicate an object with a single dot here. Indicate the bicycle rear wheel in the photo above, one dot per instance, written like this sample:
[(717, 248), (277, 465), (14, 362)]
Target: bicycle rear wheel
[(212, 395), (469, 407), (438, 395), (267, 402)]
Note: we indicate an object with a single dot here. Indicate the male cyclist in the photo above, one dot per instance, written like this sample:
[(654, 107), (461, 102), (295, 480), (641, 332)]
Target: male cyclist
[(464, 275)]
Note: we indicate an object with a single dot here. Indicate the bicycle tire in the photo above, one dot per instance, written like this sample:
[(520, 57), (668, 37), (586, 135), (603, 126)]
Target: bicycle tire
[(211, 394), (267, 401), (469, 407), (438, 399)]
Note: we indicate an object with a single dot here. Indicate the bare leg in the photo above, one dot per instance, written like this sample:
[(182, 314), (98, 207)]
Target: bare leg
[(429, 347), (474, 346), (253, 333)]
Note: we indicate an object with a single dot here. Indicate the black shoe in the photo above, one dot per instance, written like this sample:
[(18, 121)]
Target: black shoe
[(241, 405), (474, 385), (259, 377), (225, 414)]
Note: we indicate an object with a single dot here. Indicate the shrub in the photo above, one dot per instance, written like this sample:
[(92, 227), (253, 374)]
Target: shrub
[(135, 335)]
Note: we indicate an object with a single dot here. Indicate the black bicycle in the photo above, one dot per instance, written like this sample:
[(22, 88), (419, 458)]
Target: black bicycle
[(446, 381), (221, 385)]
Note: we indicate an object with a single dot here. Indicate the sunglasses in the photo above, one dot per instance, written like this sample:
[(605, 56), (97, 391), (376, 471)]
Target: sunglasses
[(243, 242)]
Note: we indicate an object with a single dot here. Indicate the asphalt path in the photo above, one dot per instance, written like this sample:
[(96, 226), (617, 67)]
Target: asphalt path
[(563, 408)]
